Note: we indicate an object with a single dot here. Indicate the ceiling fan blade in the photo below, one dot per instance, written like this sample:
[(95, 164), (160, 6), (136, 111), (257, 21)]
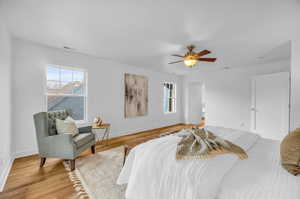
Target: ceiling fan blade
[(202, 53), (175, 62), (207, 59), (178, 55)]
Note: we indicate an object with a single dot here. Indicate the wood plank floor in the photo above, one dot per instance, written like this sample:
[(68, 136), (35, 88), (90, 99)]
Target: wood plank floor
[(27, 180)]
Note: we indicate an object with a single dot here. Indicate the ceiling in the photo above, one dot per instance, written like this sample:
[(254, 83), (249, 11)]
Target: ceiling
[(145, 33)]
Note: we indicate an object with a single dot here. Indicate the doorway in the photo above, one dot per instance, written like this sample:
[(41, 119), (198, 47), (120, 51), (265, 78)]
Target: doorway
[(196, 102)]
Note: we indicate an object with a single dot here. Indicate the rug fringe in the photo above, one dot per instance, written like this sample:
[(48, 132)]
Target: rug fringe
[(78, 186)]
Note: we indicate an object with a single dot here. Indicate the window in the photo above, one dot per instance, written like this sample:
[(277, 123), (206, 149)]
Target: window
[(66, 89), (169, 97)]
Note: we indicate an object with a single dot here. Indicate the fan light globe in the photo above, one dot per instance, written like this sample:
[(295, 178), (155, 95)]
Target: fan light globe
[(190, 62)]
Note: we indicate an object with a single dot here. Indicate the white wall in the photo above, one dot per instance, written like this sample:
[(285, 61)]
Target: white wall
[(5, 101), (105, 92), (227, 99), (295, 85), (270, 103), (228, 93)]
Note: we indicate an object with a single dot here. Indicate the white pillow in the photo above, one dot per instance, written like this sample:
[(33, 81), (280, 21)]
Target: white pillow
[(67, 126), (70, 119)]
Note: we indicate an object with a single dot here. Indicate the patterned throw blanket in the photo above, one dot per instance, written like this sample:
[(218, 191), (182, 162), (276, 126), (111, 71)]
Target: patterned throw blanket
[(201, 143)]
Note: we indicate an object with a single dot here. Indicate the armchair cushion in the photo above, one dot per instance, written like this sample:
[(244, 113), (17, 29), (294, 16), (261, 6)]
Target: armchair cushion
[(82, 139), (58, 146)]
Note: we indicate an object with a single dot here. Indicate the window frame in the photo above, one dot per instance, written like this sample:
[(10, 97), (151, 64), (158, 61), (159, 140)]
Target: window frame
[(174, 97), (85, 87)]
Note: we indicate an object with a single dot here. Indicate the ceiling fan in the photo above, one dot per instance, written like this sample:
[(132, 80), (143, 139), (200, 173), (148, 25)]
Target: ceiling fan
[(191, 58)]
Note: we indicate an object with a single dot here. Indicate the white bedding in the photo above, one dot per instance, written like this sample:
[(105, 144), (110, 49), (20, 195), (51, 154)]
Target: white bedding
[(152, 172), (260, 176)]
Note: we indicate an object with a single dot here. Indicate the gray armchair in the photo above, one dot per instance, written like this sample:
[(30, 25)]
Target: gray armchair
[(51, 144)]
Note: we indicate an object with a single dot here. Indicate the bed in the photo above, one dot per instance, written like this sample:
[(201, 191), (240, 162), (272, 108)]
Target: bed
[(151, 171), (261, 176)]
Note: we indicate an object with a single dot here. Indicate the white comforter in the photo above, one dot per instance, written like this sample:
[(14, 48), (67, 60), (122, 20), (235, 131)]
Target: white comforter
[(152, 172), (261, 176)]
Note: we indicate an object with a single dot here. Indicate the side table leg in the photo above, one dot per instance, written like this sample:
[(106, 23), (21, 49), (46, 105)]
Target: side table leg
[(103, 137), (96, 135), (107, 134)]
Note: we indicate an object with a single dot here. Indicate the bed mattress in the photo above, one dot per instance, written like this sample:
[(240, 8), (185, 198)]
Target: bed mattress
[(261, 176)]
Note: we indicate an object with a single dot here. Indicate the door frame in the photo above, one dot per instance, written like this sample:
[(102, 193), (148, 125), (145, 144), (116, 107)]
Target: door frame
[(203, 105)]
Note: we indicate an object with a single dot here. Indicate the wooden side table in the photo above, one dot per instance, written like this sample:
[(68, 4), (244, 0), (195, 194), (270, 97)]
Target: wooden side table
[(105, 136)]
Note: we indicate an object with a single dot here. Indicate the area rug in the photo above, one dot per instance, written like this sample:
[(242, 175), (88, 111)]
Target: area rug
[(95, 175)]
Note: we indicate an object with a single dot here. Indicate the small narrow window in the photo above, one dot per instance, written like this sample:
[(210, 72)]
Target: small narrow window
[(169, 97), (66, 89)]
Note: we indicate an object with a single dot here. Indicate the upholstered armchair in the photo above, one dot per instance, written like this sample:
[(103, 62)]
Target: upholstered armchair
[(51, 144)]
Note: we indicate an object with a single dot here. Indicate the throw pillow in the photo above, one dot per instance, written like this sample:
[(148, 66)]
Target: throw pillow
[(70, 119), (66, 127), (290, 152)]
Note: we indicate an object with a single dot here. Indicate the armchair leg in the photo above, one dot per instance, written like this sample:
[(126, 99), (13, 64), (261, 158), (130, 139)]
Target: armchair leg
[(93, 149), (72, 163), (43, 160)]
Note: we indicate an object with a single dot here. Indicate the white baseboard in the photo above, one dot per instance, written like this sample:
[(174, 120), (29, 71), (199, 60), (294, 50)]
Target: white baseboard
[(5, 173), (24, 153)]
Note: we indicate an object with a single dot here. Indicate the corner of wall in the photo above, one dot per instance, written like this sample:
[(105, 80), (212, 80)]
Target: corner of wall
[(6, 141), (5, 172)]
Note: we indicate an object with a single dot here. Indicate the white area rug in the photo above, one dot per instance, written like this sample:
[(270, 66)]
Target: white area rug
[(95, 175)]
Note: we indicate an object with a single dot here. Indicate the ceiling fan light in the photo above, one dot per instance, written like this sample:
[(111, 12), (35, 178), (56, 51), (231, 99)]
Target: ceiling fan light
[(190, 62)]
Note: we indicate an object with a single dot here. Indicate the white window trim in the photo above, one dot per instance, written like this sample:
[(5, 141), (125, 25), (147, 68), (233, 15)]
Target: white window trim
[(60, 94), (175, 98)]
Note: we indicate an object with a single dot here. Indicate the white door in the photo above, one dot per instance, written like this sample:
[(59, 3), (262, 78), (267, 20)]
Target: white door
[(195, 102), (270, 105)]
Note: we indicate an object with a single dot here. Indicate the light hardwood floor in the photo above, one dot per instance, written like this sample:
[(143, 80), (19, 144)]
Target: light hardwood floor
[(27, 180)]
